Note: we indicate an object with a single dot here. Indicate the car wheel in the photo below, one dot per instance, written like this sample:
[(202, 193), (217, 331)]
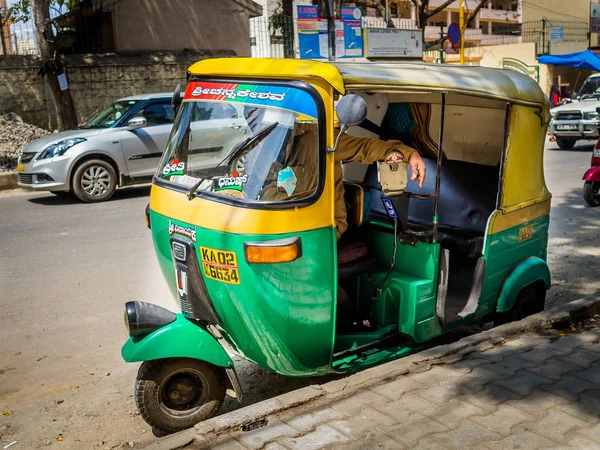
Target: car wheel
[(94, 181), (565, 144), (529, 301), (591, 193), (177, 393)]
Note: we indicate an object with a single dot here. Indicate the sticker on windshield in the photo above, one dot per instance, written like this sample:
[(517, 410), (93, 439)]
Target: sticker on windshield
[(286, 179), (234, 182), (175, 167), (285, 97)]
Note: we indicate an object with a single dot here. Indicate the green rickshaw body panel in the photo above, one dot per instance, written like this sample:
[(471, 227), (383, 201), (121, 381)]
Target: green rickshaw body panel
[(280, 316), (179, 339), (506, 255)]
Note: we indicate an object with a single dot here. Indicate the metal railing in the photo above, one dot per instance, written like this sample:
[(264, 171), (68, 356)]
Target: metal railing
[(20, 39)]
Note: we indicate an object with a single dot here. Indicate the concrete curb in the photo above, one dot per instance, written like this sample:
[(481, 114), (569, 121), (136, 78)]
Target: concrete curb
[(207, 431), (8, 180)]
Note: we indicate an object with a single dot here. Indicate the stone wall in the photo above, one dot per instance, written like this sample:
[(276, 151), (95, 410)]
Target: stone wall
[(95, 81)]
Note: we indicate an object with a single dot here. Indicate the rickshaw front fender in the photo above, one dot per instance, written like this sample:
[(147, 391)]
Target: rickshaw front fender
[(527, 272), (592, 174), (179, 339)]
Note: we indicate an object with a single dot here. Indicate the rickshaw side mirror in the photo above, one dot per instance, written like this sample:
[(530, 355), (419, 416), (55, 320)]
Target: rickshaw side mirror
[(176, 99), (351, 110)]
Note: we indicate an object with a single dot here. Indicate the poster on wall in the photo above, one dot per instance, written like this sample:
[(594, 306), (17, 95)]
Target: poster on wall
[(394, 43), (312, 33)]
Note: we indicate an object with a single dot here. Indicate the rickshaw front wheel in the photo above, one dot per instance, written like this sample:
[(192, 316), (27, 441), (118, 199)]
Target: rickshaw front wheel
[(177, 393), (531, 300)]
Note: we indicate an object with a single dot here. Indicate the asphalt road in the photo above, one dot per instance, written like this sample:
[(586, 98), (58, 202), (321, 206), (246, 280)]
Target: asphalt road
[(66, 270)]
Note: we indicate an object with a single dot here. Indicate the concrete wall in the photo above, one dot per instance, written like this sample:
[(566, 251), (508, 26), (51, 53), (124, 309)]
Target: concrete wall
[(571, 10), (95, 81), (147, 25)]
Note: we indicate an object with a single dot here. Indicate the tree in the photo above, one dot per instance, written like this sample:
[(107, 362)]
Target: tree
[(53, 65)]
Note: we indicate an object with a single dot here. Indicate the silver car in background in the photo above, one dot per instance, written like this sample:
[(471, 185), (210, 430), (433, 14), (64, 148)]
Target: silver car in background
[(120, 146)]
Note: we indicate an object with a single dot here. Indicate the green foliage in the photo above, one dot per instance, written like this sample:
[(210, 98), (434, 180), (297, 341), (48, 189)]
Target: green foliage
[(20, 11)]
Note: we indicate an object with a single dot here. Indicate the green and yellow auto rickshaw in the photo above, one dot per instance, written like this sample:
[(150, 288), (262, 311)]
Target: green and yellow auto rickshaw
[(244, 224)]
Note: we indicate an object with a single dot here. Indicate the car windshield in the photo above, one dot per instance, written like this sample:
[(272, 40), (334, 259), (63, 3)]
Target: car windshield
[(590, 88), (108, 116), (245, 149)]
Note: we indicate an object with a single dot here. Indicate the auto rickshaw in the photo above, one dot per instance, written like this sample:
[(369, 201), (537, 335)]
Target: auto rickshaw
[(249, 246)]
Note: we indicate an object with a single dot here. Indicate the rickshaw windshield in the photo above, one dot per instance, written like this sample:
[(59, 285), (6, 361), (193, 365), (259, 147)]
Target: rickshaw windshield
[(252, 142)]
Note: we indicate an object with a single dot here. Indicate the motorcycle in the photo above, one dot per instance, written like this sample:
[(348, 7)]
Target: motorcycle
[(591, 187)]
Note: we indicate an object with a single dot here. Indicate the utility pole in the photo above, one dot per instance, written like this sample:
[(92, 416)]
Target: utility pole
[(442, 39), (462, 26)]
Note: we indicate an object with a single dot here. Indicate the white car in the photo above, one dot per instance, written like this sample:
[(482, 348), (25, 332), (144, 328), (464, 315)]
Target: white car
[(579, 119), (122, 146)]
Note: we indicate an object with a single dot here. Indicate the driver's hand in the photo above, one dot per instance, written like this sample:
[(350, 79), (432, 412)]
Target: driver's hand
[(417, 167)]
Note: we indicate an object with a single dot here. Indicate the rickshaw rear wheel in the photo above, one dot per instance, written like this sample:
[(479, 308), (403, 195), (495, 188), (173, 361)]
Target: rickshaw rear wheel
[(177, 393), (531, 300), (591, 193)]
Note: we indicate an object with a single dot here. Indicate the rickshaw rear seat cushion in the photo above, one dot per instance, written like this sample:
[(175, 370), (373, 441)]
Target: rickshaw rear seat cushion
[(467, 196), (350, 250)]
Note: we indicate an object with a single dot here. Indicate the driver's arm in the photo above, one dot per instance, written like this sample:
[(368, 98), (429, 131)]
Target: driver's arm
[(368, 151)]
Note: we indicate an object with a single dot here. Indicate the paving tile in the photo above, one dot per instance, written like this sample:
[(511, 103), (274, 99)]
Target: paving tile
[(576, 409), (433, 376), (508, 366), (357, 426), (454, 412), (466, 365), (226, 443), (259, 437), (354, 403), (275, 446), (396, 389), (592, 432), (582, 358), (527, 342), (555, 425), (443, 392), (479, 378), (407, 405), (592, 375), (538, 403), (322, 437), (521, 439), (374, 440), (575, 442), (498, 353), (554, 369), (490, 397), (467, 435), (309, 421), (414, 428), (569, 387), (523, 382), (565, 344), (503, 420), (427, 444), (589, 337), (539, 355), (589, 402)]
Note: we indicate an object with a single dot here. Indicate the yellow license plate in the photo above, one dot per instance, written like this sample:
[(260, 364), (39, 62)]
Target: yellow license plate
[(220, 265), (20, 168)]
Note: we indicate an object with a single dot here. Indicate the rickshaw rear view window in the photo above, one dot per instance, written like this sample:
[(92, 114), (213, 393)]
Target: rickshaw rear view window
[(257, 143)]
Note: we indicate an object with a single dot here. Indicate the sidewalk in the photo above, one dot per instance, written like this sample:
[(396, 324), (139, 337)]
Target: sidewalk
[(538, 389)]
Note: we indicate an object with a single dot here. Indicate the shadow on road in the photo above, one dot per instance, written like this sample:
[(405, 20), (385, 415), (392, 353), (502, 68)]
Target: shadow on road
[(120, 194)]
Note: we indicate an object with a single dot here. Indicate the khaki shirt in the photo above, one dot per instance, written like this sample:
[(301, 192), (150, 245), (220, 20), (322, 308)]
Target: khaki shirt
[(366, 151)]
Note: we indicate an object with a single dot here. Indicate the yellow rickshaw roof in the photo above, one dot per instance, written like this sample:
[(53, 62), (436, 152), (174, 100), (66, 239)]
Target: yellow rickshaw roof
[(499, 84)]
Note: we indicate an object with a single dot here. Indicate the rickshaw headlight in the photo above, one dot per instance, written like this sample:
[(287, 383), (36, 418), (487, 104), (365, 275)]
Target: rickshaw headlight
[(142, 317), (590, 115), (268, 252)]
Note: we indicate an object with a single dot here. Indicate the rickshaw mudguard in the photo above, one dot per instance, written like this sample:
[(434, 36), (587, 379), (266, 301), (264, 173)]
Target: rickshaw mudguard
[(179, 339), (529, 271), (592, 174)]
